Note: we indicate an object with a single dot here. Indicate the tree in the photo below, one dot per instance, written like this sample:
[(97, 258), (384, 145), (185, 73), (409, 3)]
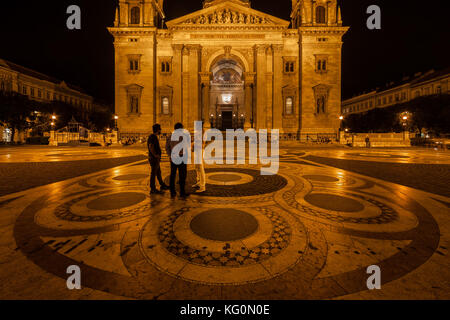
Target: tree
[(428, 112), (15, 110)]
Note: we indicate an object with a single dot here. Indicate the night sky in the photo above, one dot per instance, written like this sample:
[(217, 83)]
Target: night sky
[(414, 37)]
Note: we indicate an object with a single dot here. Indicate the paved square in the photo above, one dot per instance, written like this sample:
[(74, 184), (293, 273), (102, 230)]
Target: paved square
[(309, 232)]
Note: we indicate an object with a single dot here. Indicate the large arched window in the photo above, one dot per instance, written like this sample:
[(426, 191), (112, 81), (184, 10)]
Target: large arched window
[(321, 15), (135, 15)]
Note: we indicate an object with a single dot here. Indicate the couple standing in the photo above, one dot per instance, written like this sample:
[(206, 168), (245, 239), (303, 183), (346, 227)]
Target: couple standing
[(154, 157)]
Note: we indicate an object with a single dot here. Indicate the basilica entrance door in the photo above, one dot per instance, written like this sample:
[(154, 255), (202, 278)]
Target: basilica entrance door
[(227, 120)]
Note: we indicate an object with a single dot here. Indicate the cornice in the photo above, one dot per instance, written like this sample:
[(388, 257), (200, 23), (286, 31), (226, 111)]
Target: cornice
[(323, 30), (132, 31), (227, 28)]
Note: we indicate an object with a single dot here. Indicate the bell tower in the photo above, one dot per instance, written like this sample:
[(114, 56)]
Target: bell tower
[(320, 32), (135, 30), (315, 13), (139, 13)]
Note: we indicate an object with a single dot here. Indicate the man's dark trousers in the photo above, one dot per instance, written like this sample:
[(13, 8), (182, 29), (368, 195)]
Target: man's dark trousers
[(182, 168), (155, 164)]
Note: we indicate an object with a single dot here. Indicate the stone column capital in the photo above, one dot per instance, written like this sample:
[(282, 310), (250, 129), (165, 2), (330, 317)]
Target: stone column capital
[(185, 51), (261, 48), (277, 48), (249, 78), (193, 47), (205, 78), (177, 47)]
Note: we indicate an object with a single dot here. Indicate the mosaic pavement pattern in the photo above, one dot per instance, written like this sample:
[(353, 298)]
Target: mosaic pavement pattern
[(309, 232)]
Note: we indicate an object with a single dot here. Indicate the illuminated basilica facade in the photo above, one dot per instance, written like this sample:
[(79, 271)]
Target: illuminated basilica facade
[(230, 66)]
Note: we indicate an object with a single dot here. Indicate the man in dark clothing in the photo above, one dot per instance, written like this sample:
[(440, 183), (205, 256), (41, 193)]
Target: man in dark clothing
[(182, 168), (154, 157)]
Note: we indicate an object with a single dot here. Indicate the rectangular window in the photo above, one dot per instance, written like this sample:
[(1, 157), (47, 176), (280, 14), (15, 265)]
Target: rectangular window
[(134, 65), (289, 109), (384, 100), (32, 92), (403, 95), (134, 104), (289, 67), (165, 105)]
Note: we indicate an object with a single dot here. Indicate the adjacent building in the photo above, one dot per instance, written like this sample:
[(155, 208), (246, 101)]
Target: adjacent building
[(230, 66), (421, 84), (39, 87)]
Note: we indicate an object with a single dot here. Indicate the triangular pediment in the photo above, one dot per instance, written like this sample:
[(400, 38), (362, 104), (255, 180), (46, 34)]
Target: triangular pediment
[(228, 13)]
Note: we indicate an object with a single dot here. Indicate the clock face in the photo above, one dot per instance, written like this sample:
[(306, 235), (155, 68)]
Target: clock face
[(226, 98)]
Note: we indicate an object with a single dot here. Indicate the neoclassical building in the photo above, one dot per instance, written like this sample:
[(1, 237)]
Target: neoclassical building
[(230, 66)]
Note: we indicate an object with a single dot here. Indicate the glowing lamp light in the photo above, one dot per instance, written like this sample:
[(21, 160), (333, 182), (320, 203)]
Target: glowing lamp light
[(54, 117), (341, 118), (405, 118), (226, 98), (116, 117), (52, 124)]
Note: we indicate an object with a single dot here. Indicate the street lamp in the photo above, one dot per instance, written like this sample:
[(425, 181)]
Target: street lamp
[(115, 122)]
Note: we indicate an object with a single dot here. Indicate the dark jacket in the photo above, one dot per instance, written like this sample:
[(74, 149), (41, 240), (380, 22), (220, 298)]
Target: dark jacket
[(154, 149)]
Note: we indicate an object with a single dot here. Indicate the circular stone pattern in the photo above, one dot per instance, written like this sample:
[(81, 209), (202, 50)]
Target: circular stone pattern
[(381, 155), (334, 203), (225, 177), (258, 186), (116, 201), (321, 178), (128, 177), (224, 225)]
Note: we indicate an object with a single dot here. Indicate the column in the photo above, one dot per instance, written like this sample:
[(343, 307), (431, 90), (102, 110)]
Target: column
[(260, 86), (277, 87), (269, 86), (177, 86), (185, 86), (206, 85), (249, 83), (194, 86)]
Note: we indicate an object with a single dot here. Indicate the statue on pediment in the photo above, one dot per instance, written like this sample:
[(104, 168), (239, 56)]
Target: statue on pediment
[(214, 18), (227, 16), (241, 17), (234, 17), (220, 17)]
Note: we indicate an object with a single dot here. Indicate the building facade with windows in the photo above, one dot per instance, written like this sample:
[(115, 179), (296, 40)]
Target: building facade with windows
[(429, 83), (228, 65), (40, 87)]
